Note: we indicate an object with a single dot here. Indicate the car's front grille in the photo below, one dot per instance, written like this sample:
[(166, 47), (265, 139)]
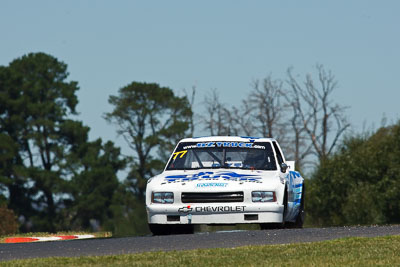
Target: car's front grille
[(212, 197)]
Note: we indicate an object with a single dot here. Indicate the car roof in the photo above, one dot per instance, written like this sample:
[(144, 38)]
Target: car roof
[(227, 138)]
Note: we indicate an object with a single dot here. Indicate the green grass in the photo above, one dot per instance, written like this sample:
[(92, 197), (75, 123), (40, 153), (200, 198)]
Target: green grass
[(39, 234), (383, 251)]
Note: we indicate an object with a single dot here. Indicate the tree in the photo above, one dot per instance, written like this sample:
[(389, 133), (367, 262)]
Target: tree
[(94, 183), (36, 100), (275, 116), (302, 117), (269, 108), (299, 147), (151, 119), (360, 183), (221, 119), (191, 98), (322, 120), (239, 120), (12, 177), (128, 214), (8, 222), (40, 169), (214, 118)]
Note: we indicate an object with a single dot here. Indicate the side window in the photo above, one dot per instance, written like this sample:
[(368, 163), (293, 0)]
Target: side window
[(278, 153)]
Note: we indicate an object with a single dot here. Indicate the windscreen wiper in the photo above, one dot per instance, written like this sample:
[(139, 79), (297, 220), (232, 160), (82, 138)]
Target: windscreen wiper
[(214, 157)]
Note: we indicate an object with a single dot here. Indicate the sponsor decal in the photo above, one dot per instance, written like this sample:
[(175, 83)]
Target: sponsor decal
[(212, 185), (188, 147), (219, 209), (228, 176), (226, 144), (188, 209), (249, 144)]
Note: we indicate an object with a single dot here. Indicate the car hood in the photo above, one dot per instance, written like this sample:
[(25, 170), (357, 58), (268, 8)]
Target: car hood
[(214, 180)]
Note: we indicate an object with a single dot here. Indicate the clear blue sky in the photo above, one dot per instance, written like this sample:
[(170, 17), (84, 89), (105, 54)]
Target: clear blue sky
[(212, 44)]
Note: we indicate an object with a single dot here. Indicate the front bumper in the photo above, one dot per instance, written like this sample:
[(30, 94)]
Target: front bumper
[(215, 213)]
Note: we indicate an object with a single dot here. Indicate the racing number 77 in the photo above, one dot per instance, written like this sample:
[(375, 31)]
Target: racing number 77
[(182, 153)]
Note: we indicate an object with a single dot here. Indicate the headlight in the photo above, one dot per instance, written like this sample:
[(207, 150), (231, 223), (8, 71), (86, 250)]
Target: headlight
[(162, 197), (263, 196)]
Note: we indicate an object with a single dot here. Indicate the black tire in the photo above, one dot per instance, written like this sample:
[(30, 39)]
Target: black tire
[(160, 229), (168, 229), (269, 226), (185, 229)]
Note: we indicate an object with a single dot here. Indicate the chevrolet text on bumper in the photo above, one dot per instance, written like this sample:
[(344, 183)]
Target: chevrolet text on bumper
[(225, 180)]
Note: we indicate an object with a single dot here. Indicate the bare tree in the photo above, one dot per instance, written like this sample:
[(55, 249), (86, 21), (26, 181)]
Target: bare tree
[(268, 108), (322, 120), (298, 147), (276, 116), (214, 118), (302, 117), (240, 120), (191, 99), (221, 119)]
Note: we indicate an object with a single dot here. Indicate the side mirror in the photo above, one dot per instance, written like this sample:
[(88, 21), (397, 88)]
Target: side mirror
[(284, 167), (291, 164)]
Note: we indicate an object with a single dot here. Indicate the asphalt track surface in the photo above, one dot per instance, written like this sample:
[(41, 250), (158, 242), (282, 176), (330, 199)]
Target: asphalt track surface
[(113, 246)]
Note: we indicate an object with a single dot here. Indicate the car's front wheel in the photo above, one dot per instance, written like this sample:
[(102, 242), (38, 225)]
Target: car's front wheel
[(266, 226)]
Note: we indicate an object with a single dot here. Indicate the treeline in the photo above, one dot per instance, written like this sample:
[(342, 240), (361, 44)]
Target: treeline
[(360, 183), (52, 177)]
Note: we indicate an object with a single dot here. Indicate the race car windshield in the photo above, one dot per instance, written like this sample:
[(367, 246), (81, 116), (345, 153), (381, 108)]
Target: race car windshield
[(236, 155)]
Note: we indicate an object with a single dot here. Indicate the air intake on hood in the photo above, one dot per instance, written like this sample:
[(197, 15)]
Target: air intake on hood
[(212, 197)]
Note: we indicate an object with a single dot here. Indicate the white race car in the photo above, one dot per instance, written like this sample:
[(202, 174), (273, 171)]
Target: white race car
[(225, 180)]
